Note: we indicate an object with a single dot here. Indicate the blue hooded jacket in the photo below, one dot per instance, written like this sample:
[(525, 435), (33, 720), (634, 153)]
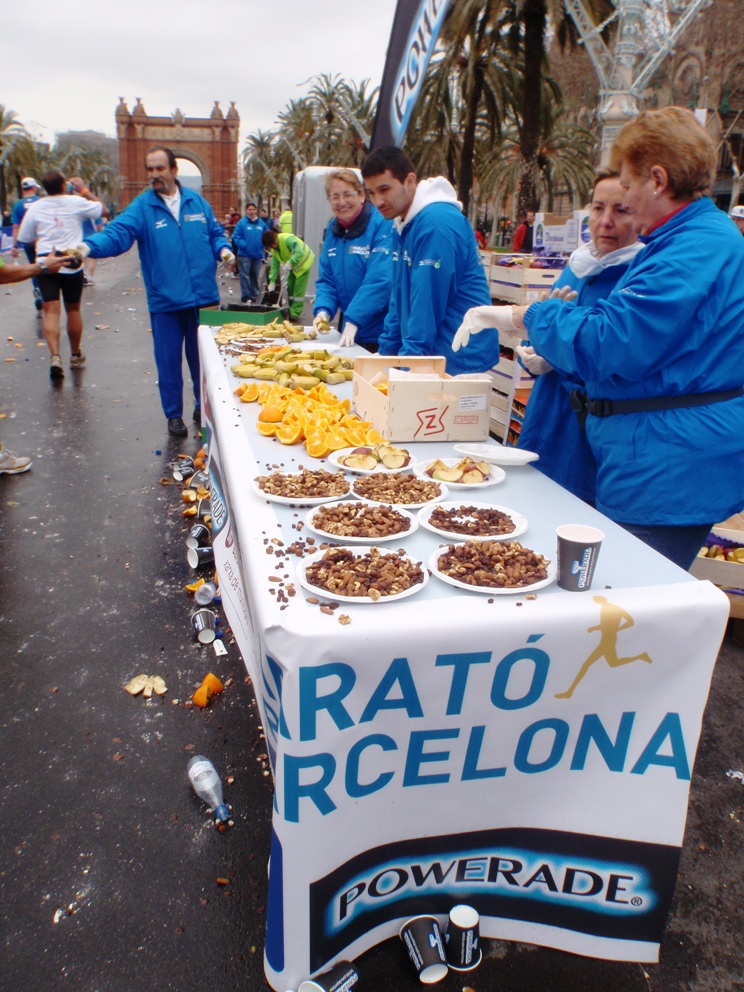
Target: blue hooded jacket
[(437, 277), (247, 238), (671, 327), (355, 273), (178, 259)]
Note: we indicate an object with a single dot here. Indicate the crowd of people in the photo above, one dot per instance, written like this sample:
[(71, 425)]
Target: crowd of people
[(638, 404)]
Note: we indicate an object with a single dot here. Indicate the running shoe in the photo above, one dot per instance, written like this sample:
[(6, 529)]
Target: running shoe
[(11, 464), (56, 371)]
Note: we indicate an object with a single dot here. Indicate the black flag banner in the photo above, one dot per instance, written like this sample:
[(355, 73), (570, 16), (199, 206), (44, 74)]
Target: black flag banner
[(416, 26)]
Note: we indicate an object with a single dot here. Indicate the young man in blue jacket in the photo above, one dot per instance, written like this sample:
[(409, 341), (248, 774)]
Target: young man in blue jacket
[(179, 242), (248, 247), (437, 271)]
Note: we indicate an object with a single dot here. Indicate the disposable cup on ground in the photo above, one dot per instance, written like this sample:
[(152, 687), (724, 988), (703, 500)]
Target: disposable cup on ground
[(578, 550), (199, 536), (462, 940), (200, 557), (423, 941), (204, 621), (340, 978)]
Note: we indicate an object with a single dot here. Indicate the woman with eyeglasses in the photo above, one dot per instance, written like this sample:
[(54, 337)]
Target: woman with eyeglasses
[(355, 264)]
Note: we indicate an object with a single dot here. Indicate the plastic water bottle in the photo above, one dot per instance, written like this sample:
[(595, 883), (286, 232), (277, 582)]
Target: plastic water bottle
[(207, 785)]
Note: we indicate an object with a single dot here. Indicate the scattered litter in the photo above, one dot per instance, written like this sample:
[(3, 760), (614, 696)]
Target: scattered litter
[(103, 327), (146, 684), (207, 785), (211, 686), (739, 775)]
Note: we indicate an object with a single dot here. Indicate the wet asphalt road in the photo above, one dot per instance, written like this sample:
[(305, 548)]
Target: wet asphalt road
[(108, 863)]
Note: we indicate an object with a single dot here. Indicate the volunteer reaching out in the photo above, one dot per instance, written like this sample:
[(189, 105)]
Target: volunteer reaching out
[(288, 249), (662, 355)]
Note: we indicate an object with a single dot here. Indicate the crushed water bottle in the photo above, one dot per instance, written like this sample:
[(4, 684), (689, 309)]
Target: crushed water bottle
[(208, 787)]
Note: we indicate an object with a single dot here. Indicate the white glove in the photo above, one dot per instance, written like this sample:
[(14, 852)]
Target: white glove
[(226, 255), (533, 362), (270, 287), (321, 318), (82, 250), (487, 318), (350, 332)]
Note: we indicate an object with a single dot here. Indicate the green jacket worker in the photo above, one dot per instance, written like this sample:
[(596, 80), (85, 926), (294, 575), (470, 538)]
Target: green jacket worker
[(288, 249)]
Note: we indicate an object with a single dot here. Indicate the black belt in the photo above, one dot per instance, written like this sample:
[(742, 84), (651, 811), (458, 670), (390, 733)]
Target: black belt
[(581, 403)]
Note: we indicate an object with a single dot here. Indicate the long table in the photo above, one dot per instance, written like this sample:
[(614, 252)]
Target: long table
[(424, 754)]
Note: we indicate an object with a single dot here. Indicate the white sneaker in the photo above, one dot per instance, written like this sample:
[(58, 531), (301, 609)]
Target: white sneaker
[(55, 368), (11, 464)]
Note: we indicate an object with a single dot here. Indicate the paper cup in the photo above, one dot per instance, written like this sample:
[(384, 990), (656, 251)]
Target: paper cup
[(578, 550), (204, 622), (462, 943), (341, 977), (423, 941), (199, 536), (200, 557)]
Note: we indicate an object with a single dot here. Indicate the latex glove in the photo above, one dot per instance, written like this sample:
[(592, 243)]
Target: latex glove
[(322, 322), (82, 250), (533, 362), (350, 332), (227, 256), (565, 293), (270, 287), (487, 318)]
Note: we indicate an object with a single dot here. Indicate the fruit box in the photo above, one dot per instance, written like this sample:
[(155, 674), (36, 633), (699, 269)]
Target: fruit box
[(253, 314), (519, 285), (444, 409)]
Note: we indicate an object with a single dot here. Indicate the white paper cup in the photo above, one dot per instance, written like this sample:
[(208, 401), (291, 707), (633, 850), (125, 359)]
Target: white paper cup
[(340, 978), (462, 940), (423, 941), (578, 550), (200, 557), (204, 623)]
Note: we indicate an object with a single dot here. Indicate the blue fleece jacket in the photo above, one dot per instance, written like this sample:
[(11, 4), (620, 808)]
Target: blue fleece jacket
[(247, 238), (672, 327), (355, 273), (437, 277), (178, 258)]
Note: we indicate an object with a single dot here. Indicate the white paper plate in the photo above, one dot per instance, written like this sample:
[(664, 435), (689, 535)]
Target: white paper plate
[(497, 474), (520, 522), (379, 469), (490, 590), (345, 539), (297, 500), (358, 550), (408, 506), (497, 454)]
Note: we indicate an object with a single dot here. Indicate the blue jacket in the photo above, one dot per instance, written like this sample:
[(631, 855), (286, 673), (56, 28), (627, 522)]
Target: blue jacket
[(551, 427), (178, 259), (247, 238), (437, 277), (672, 327), (355, 273)]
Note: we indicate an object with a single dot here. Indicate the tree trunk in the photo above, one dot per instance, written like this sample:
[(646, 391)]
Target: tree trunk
[(533, 18), (465, 184)]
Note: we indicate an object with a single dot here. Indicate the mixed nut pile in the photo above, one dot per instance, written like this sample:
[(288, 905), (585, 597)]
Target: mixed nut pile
[(493, 565), (307, 484), (401, 489), (360, 520), (471, 520), (373, 574)]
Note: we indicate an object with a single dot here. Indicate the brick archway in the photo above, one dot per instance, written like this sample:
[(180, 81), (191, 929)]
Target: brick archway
[(211, 143)]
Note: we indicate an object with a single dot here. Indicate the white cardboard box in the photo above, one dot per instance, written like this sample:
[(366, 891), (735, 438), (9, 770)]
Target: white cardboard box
[(449, 408), (556, 232), (520, 285)]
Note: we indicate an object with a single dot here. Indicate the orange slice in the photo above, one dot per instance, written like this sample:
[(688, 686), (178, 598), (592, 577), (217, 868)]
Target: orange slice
[(271, 415), (336, 441), (316, 446), (249, 393), (374, 437), (290, 433), (268, 430)]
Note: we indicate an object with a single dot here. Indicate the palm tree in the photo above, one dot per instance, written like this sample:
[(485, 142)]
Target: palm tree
[(13, 135)]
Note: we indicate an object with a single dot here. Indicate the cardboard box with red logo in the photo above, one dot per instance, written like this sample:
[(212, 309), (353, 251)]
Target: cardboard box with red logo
[(409, 398)]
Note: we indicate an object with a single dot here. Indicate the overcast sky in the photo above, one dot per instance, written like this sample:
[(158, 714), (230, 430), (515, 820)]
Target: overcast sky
[(64, 66)]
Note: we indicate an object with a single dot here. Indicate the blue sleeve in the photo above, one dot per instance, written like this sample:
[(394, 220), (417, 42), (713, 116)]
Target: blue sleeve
[(390, 340), (430, 289), (372, 298), (239, 236), (216, 232), (118, 236), (18, 211), (326, 295)]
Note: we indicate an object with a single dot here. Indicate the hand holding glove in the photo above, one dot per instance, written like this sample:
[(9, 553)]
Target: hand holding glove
[(487, 318), (227, 256), (322, 322), (82, 250), (534, 363), (270, 286), (350, 332)]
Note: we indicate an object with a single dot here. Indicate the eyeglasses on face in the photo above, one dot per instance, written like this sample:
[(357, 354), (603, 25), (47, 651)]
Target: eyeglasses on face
[(346, 197)]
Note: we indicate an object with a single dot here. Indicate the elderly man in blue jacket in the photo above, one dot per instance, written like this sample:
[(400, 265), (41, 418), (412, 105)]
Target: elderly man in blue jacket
[(179, 243)]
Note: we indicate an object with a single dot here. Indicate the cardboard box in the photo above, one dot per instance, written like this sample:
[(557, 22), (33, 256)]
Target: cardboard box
[(253, 314), (444, 409), (556, 232), (520, 285)]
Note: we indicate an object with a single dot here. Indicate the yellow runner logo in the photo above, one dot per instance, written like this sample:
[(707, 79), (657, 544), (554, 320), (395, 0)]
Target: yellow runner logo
[(612, 619)]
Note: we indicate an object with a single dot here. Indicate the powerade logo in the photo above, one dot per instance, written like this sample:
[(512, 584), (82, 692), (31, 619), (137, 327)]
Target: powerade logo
[(412, 67), (603, 886), (217, 502), (581, 568)]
